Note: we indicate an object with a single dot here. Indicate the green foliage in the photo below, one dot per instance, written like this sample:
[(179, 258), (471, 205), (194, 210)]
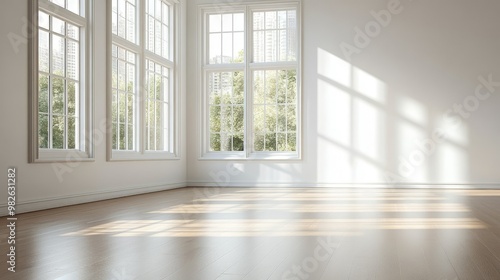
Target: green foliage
[(274, 111), (57, 110)]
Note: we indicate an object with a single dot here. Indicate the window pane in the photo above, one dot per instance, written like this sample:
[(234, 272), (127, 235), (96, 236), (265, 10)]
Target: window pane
[(275, 36), (157, 109), (226, 38), (58, 132), (74, 6), (58, 2), (43, 94), (72, 98), (215, 42), (43, 131), (43, 51), (58, 90), (227, 22), (58, 26), (157, 31), (238, 22), (215, 23), (72, 133), (43, 20), (275, 115), (124, 97), (58, 54), (73, 32), (226, 111), (73, 55)]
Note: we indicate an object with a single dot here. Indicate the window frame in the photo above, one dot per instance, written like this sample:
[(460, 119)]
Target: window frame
[(140, 153), (247, 67), (86, 70)]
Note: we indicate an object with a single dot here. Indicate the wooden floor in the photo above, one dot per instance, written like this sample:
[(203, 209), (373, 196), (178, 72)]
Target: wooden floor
[(266, 233)]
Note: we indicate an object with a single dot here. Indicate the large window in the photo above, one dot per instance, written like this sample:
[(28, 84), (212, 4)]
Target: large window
[(61, 77), (143, 79), (251, 75)]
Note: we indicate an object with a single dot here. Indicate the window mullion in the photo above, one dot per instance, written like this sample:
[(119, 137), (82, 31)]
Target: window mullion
[(142, 92)]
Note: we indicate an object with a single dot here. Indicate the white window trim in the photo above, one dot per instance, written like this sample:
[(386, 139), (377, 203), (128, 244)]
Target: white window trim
[(247, 67), (141, 154), (35, 154)]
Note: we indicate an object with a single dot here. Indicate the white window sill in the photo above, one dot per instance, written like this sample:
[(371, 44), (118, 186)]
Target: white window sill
[(56, 155)]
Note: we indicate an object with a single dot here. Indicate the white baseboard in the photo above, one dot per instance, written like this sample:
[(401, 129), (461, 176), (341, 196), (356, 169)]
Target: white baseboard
[(492, 186), (60, 201)]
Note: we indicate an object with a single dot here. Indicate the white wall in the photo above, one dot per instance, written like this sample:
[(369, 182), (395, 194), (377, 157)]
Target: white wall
[(38, 185), (363, 116)]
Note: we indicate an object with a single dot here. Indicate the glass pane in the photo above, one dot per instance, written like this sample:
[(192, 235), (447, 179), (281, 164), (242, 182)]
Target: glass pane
[(239, 22), (291, 118), (114, 107), (122, 139), (270, 87), (281, 142), (215, 23), (227, 47), (215, 145), (259, 48), (258, 21), (73, 32), (43, 131), (121, 27), (259, 118), (271, 46), (270, 142), (43, 20), (281, 116), (73, 57), (72, 97), (58, 132), (121, 75), (58, 89), (215, 48), (115, 136), (122, 107), (215, 114), (130, 22), (227, 22), (282, 19), (292, 142), (238, 143), (58, 2), (130, 137), (114, 17), (270, 118), (130, 78), (114, 76), (43, 94), (43, 51), (239, 47), (130, 109), (74, 6), (238, 119), (58, 54), (238, 88), (58, 26), (226, 119), (259, 142), (270, 20), (72, 133)]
